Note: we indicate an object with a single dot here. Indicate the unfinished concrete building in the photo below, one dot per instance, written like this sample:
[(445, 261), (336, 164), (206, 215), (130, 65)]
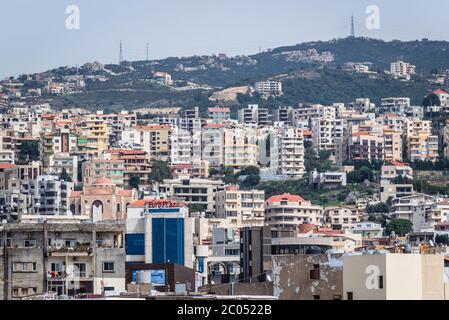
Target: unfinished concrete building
[(61, 258)]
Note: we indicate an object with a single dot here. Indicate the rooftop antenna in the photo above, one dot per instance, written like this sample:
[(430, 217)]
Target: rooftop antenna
[(352, 27), (148, 52), (120, 58)]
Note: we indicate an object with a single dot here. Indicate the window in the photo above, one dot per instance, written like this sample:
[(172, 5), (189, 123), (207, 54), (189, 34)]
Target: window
[(316, 297), (30, 243), (381, 282), (24, 267), (108, 266), (350, 295), (315, 272), (79, 270)]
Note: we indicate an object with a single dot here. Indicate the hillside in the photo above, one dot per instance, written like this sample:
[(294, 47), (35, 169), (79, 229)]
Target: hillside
[(311, 73)]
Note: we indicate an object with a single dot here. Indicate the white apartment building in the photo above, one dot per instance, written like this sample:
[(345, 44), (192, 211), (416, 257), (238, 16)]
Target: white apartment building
[(180, 146), (325, 133), (401, 69), (212, 144), (50, 196), (269, 88), (287, 152), (394, 105), (289, 211)]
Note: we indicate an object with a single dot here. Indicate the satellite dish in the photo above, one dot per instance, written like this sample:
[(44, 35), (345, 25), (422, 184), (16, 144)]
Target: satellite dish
[(4, 221), (431, 243), (269, 278)]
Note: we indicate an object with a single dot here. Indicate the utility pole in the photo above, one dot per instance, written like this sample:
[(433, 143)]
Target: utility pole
[(5, 263)]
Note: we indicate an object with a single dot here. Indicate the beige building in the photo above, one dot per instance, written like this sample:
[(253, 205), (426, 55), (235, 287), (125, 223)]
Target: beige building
[(155, 140), (240, 148), (342, 217), (104, 168), (421, 144), (393, 277), (102, 200), (244, 205)]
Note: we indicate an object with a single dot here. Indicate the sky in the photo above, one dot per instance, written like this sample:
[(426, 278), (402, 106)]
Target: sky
[(35, 37)]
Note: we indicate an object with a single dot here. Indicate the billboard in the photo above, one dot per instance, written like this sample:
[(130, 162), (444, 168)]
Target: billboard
[(157, 276)]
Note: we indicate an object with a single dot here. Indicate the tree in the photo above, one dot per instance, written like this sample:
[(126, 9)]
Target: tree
[(134, 182), (400, 227), (381, 207), (442, 239), (431, 100), (65, 176), (251, 181), (196, 207), (28, 151), (159, 171)]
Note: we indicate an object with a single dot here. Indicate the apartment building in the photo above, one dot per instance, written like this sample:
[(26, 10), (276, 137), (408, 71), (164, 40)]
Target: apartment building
[(396, 105), (212, 144), (342, 217), (392, 146), (327, 180), (287, 152), (421, 143), (104, 168), (62, 141), (326, 132), (247, 206), (181, 146), (401, 69), (219, 114), (192, 191), (255, 115), (155, 140), (135, 163), (269, 88), (366, 146), (64, 162), (49, 194), (240, 148), (64, 258), (289, 211)]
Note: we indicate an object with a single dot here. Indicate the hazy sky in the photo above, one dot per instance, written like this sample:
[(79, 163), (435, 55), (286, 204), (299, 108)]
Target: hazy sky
[(34, 36)]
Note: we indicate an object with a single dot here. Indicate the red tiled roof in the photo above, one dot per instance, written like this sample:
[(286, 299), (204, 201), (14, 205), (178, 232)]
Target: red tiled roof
[(213, 126), (7, 166), (399, 164), (286, 196), (439, 92)]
